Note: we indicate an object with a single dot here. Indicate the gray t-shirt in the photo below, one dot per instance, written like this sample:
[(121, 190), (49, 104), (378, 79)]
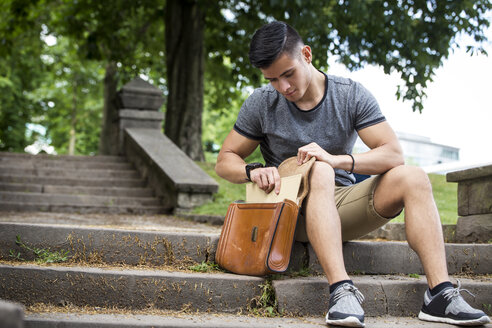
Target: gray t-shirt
[(283, 128)]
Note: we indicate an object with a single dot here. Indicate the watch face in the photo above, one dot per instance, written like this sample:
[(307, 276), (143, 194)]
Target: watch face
[(255, 165)]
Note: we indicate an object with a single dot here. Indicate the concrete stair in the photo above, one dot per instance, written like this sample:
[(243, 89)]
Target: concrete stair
[(204, 320), (80, 184), (146, 268)]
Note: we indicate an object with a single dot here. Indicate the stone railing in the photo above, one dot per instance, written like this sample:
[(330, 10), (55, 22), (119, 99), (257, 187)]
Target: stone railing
[(176, 179), (474, 204)]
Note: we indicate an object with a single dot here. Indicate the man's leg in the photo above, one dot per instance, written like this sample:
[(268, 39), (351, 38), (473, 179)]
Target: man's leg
[(409, 187), (323, 229), (323, 225)]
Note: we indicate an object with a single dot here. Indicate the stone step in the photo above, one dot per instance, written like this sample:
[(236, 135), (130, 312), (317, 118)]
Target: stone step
[(71, 181), (388, 257), (131, 289), (204, 320), (80, 208), (131, 222), (64, 199), (40, 163), (128, 288), (70, 173), (118, 246), (384, 295), (66, 158), (77, 190), (112, 246)]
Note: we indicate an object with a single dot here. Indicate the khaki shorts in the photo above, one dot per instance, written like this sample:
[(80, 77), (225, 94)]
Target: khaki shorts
[(355, 206)]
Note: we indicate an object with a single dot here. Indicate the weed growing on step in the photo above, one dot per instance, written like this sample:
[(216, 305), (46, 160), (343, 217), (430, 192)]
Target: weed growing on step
[(15, 256), (303, 272), (41, 255), (487, 308), (414, 275), (205, 267), (266, 304)]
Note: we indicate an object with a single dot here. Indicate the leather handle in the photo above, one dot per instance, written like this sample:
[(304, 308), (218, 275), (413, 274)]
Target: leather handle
[(254, 234)]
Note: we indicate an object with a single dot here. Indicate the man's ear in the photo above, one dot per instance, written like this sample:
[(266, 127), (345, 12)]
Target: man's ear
[(307, 54)]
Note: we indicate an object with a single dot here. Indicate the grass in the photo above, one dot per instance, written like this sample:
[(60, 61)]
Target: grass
[(228, 192), (266, 304), (445, 195), (205, 267), (41, 255)]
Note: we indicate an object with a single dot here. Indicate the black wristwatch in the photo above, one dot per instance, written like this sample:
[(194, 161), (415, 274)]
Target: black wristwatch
[(250, 167)]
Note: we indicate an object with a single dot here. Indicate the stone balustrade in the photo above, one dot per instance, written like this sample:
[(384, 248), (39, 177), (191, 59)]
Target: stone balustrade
[(474, 204), (176, 179)]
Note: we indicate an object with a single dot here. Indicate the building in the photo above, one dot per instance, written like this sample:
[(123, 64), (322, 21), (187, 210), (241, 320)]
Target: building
[(419, 150)]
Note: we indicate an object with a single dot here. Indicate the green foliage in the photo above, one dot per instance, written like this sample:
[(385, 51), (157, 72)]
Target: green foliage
[(303, 272), (227, 193), (266, 304), (16, 256), (42, 255), (20, 70), (205, 267), (71, 98), (409, 37), (414, 275)]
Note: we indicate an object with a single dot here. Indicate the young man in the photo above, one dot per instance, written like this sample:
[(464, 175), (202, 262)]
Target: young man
[(305, 113)]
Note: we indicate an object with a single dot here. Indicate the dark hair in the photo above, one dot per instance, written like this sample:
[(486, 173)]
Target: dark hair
[(272, 40)]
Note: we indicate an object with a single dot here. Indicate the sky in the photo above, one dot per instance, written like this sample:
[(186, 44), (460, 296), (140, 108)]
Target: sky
[(457, 111)]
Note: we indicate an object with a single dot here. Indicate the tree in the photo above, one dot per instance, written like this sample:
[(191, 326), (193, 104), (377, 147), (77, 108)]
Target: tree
[(71, 98), (185, 23), (411, 37), (210, 39), (20, 70), (123, 36)]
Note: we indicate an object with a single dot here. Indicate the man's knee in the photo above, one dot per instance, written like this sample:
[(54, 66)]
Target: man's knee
[(322, 176), (410, 178)]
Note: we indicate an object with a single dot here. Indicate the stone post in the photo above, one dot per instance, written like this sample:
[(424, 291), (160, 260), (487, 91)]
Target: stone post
[(11, 315), (138, 107), (177, 181), (474, 204)]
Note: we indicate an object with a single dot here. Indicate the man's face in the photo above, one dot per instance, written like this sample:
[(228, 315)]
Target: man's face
[(289, 76)]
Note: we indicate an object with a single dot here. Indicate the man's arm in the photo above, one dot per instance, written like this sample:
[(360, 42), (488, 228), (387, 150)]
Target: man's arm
[(385, 152), (232, 167)]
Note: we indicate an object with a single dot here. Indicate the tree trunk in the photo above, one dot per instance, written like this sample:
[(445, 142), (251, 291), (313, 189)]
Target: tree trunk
[(73, 120), (185, 23), (109, 132)]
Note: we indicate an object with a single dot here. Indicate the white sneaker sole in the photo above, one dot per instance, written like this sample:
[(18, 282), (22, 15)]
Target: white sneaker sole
[(347, 322), (475, 322)]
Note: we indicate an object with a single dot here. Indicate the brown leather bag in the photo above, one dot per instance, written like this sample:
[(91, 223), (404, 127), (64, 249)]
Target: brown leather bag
[(257, 238)]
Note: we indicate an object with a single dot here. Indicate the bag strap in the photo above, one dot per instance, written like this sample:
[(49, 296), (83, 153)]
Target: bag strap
[(290, 167)]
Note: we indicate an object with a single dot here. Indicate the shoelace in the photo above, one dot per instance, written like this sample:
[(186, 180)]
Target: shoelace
[(346, 290), (451, 293)]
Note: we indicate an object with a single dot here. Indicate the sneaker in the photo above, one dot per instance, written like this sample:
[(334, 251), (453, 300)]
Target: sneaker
[(345, 309), (449, 306)]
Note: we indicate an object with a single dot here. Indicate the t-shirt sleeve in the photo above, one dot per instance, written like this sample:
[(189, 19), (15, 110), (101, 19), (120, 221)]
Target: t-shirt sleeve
[(367, 111), (248, 122)]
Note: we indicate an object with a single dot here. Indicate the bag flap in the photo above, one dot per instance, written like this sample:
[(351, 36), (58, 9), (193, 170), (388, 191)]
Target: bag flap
[(290, 167)]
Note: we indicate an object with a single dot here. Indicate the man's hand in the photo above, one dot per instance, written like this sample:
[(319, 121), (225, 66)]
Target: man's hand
[(267, 178), (305, 153)]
